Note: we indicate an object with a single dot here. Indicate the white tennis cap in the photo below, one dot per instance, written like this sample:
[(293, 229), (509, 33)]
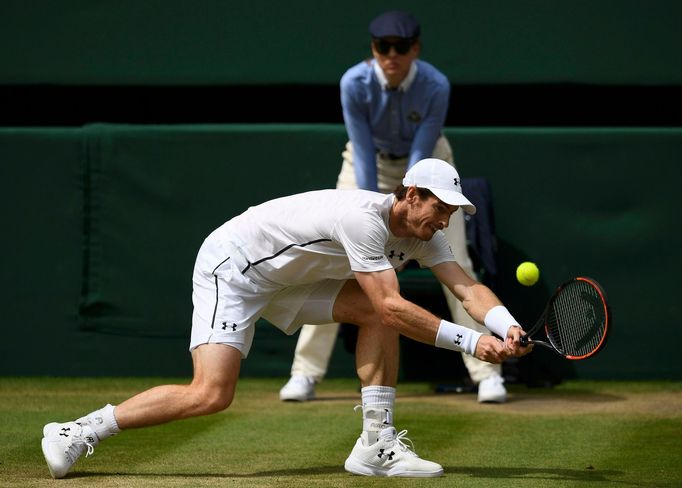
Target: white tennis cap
[(443, 181)]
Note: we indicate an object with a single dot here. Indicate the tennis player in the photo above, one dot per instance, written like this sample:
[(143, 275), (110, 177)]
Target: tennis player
[(317, 257)]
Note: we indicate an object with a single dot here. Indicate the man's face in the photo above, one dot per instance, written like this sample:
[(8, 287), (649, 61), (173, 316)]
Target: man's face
[(395, 55), (428, 215)]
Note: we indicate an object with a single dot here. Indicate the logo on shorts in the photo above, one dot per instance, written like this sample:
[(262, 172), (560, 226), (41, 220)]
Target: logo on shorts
[(226, 325)]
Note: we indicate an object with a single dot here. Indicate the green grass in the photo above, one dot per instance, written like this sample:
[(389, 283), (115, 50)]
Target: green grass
[(579, 434)]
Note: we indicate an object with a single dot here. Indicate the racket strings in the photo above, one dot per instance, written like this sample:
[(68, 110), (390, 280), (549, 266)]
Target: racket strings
[(576, 322)]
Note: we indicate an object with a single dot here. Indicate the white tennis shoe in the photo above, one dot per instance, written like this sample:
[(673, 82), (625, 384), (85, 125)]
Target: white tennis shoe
[(389, 456), (64, 443), (299, 388), (492, 390)]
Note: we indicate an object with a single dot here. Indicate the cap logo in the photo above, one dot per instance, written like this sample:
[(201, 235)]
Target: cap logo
[(456, 181)]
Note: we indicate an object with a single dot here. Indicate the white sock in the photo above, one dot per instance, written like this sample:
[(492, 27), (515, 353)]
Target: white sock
[(377, 411), (102, 422)]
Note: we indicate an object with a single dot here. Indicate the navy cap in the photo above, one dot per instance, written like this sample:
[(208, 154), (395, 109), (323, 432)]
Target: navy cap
[(394, 24)]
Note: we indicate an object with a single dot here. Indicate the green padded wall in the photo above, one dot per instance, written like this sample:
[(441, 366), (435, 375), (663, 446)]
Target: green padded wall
[(41, 182), (211, 42), (104, 222)]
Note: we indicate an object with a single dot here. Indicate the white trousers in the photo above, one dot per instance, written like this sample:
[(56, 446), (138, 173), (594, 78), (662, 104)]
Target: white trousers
[(316, 342)]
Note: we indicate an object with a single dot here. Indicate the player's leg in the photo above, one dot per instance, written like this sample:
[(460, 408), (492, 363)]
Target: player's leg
[(380, 450), (216, 369), (377, 349), (222, 333)]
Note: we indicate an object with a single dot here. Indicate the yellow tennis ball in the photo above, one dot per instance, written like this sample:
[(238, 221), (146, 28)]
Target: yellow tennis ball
[(527, 273)]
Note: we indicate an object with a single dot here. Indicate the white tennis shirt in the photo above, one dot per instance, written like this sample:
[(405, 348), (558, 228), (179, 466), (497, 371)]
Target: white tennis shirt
[(325, 234)]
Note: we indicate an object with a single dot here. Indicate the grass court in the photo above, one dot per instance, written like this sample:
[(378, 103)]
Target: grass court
[(578, 434)]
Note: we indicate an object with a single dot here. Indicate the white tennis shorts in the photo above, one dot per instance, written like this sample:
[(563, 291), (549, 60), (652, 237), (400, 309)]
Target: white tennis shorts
[(227, 303)]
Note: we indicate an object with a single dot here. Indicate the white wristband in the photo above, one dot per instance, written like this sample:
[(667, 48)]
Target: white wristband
[(457, 338), (498, 320)]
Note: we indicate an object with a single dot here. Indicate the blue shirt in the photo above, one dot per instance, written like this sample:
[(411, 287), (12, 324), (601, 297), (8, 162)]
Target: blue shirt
[(405, 121)]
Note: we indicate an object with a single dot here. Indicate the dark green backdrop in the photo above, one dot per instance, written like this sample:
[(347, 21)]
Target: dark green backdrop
[(101, 227), (218, 42)]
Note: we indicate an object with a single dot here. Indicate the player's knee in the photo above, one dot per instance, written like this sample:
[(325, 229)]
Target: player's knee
[(367, 318), (213, 399), (353, 307), (219, 399)]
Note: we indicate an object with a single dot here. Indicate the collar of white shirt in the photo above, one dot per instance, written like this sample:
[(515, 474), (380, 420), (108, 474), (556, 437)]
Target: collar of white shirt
[(404, 85)]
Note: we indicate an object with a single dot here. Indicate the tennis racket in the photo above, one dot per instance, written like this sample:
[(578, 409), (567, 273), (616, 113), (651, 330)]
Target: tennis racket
[(576, 320)]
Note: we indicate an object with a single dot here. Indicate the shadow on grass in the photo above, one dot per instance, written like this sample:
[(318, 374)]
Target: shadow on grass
[(578, 396), (558, 474), (311, 471), (330, 398), (519, 394), (588, 474)]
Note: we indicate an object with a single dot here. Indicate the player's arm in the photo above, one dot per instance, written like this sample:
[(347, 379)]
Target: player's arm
[(411, 320), (481, 303)]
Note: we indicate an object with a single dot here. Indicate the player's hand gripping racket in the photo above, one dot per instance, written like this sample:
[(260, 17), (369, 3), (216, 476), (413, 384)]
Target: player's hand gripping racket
[(576, 320)]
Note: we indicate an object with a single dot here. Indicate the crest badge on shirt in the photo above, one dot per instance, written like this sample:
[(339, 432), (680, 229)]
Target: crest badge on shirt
[(414, 116)]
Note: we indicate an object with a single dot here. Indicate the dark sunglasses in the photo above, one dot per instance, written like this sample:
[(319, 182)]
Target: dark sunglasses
[(401, 46)]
